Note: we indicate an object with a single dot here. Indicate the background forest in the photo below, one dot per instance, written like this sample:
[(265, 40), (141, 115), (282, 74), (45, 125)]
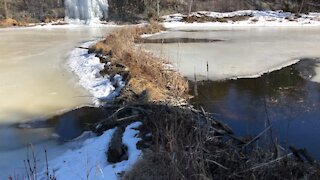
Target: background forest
[(44, 10)]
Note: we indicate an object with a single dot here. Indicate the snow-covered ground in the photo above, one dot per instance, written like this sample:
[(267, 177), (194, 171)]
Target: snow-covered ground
[(87, 67), (86, 159), (255, 18), (90, 160)]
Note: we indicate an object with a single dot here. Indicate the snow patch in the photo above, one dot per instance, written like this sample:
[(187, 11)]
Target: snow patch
[(87, 67), (90, 161), (256, 18)]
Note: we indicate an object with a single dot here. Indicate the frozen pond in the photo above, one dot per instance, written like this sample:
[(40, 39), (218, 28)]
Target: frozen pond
[(237, 52), (34, 84), (290, 97)]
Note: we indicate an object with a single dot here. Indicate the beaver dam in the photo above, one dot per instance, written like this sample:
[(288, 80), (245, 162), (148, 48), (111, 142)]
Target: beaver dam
[(177, 140), (183, 142)]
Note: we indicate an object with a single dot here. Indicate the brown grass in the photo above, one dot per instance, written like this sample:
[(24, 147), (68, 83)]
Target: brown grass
[(147, 73), (203, 18), (11, 22)]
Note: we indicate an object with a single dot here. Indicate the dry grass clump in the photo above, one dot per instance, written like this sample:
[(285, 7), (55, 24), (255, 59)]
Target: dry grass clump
[(204, 18), (11, 22), (147, 73)]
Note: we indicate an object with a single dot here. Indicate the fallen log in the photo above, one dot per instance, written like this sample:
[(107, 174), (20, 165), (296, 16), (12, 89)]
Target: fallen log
[(257, 137), (301, 154), (117, 152)]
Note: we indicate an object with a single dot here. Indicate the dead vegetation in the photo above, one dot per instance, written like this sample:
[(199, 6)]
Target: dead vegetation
[(179, 142), (12, 22), (148, 79), (32, 11), (203, 18)]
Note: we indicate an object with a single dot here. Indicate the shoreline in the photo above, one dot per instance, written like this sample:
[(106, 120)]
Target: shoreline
[(103, 126), (245, 18), (204, 19), (87, 68)]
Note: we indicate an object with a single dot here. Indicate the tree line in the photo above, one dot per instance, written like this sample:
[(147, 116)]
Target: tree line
[(34, 10), (38, 10)]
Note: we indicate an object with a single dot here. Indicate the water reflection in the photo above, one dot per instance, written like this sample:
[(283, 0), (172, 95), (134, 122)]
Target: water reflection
[(292, 104)]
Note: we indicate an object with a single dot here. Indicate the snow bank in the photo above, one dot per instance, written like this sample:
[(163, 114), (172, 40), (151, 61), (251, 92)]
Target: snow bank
[(256, 18), (87, 67), (90, 161)]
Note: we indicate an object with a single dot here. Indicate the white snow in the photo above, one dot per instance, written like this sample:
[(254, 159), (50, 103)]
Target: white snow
[(90, 161), (316, 78), (257, 18), (87, 67)]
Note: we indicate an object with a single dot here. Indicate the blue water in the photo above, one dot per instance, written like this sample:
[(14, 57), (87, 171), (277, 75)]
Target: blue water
[(290, 101)]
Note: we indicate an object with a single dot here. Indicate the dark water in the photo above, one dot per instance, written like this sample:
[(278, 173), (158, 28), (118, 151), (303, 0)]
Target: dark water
[(61, 128), (178, 40), (289, 100)]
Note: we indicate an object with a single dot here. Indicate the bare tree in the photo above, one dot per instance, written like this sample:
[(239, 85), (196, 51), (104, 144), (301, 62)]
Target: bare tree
[(301, 6), (158, 8), (5, 8), (190, 7)]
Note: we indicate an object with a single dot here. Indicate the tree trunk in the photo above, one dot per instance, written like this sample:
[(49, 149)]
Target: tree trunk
[(5, 9), (190, 7), (301, 6), (158, 8)]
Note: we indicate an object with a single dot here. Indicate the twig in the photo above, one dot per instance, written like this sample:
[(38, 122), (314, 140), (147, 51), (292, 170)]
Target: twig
[(107, 124), (83, 47), (34, 162), (236, 138), (27, 172), (264, 164), (216, 163), (47, 164), (257, 137), (299, 153)]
